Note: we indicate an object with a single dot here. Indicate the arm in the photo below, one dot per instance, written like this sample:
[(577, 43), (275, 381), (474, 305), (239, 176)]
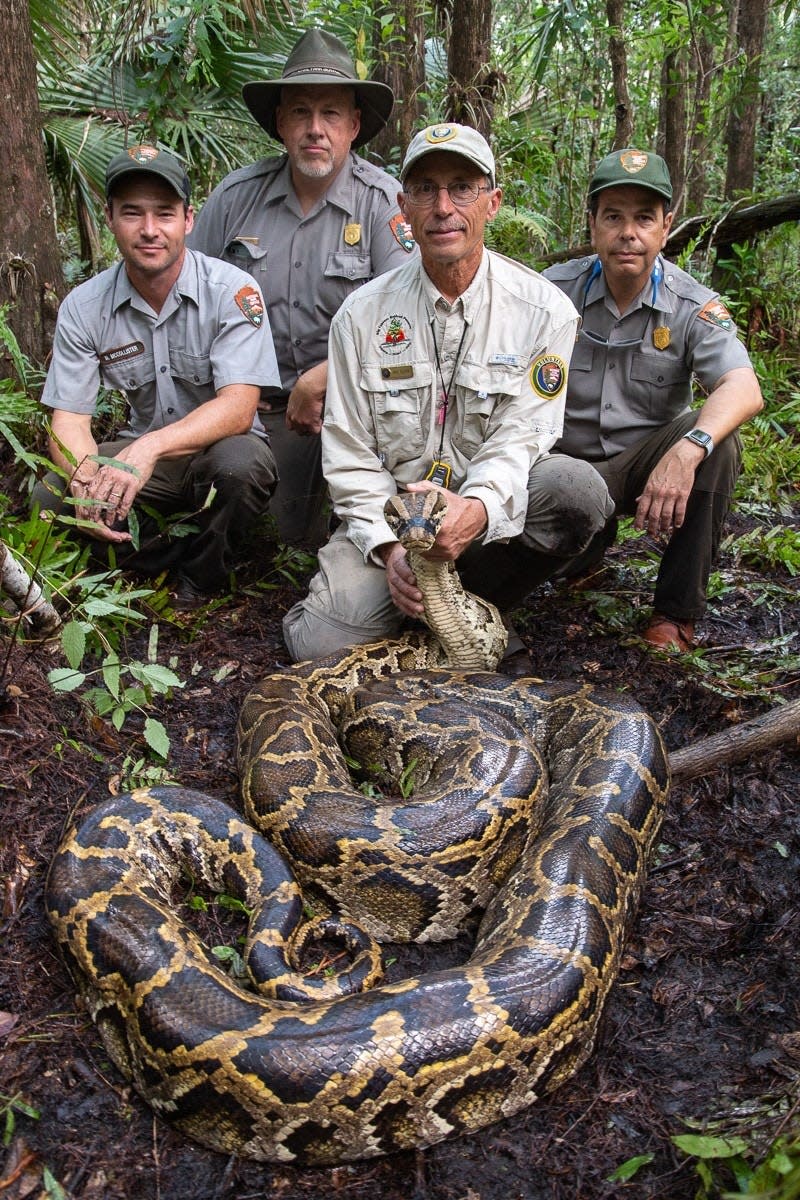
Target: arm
[(662, 505), (307, 401), (230, 412)]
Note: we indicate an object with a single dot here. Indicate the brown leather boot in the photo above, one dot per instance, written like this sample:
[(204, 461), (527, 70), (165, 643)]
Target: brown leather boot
[(667, 634)]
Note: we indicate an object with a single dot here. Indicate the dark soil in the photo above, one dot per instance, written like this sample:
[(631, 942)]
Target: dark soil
[(703, 1023)]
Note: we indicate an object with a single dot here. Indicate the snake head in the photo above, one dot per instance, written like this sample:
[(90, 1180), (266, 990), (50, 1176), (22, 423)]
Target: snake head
[(415, 518)]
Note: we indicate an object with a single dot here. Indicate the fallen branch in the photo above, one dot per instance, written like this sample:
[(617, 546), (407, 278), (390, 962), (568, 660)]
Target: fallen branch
[(26, 595), (778, 725)]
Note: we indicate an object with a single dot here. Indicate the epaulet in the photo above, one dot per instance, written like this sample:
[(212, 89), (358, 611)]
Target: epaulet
[(685, 286), (374, 176), (570, 269), (261, 169)]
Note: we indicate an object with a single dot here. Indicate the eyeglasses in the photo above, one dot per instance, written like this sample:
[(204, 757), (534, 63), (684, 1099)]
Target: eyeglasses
[(426, 192)]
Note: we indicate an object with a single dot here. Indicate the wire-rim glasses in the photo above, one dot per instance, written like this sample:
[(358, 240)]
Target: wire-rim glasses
[(426, 192)]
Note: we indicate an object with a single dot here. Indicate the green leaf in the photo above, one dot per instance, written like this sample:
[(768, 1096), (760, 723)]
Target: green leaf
[(73, 643), (628, 1169), (111, 674), (65, 679), (156, 737), (709, 1147), (52, 1188), (159, 678)]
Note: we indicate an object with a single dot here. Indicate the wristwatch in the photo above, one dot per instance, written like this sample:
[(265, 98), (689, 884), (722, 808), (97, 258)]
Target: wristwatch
[(701, 438)]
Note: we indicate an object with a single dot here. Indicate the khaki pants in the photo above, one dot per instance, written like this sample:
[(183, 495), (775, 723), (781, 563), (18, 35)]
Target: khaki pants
[(348, 601)]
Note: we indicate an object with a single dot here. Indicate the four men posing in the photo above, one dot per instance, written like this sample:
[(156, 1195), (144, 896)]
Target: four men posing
[(451, 370)]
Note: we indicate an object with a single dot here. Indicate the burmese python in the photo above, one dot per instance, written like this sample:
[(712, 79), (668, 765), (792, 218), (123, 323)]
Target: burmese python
[(314, 1071)]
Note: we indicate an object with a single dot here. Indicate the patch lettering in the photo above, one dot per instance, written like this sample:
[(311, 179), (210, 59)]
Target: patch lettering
[(548, 374), (248, 299), (394, 334), (715, 312), (402, 232), (107, 358)]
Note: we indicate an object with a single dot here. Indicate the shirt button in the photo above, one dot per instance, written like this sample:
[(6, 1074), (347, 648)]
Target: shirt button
[(170, 411), (298, 264), (197, 378), (661, 379), (298, 341), (612, 366), (295, 304), (162, 369)]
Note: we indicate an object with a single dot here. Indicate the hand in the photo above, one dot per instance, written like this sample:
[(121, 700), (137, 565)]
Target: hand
[(307, 401), (115, 489), (401, 580), (661, 508), (465, 520)]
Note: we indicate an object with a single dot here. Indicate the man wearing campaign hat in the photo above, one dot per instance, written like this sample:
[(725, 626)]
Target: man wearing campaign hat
[(448, 373), (310, 225), (648, 330), (187, 340)]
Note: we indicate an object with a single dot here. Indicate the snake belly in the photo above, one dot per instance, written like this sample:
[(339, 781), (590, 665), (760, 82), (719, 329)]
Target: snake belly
[(344, 1077)]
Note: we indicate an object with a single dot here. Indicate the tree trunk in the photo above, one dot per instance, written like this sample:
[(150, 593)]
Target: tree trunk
[(672, 122), (623, 117), (697, 154), (473, 85), (400, 64), (31, 276), (743, 116)]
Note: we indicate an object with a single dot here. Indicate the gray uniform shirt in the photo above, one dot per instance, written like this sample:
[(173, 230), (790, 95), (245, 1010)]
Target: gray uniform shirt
[(616, 395), (212, 331), (305, 265)]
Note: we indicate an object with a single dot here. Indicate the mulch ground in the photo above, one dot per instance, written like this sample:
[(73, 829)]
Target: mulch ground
[(703, 1024)]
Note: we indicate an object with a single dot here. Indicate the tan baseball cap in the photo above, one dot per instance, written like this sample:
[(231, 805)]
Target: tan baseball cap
[(458, 139)]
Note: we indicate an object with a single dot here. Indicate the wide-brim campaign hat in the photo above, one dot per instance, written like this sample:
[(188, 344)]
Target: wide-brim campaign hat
[(320, 58)]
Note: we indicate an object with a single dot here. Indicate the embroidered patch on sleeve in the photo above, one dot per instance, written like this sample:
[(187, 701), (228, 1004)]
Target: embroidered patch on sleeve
[(548, 374), (248, 299), (402, 232), (715, 312)]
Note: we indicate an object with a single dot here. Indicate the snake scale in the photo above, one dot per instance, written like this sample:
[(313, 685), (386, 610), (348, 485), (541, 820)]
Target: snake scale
[(533, 811)]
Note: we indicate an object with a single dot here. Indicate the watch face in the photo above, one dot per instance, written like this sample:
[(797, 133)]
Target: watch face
[(697, 435)]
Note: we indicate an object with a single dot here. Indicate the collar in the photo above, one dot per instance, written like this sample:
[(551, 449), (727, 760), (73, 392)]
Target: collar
[(186, 285), (654, 293), (340, 191), (469, 301)]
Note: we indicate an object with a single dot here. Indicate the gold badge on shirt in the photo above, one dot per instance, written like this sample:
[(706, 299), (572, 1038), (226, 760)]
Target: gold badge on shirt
[(661, 337), (352, 234)]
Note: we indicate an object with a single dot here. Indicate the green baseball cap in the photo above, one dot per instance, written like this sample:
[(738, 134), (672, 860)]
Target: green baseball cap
[(629, 166), (459, 139), (152, 161)]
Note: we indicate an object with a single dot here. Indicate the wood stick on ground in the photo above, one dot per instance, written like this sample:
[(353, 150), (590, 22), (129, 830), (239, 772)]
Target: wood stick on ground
[(27, 595), (740, 741)]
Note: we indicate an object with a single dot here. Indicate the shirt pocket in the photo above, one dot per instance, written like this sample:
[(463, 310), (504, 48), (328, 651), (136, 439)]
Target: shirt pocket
[(397, 406), (479, 389), (352, 268), (131, 375), (582, 358), (193, 370), (247, 256), (662, 386)]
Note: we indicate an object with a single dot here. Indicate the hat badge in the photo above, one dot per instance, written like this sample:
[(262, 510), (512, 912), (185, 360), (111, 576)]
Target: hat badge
[(633, 161), (143, 154), (440, 133)]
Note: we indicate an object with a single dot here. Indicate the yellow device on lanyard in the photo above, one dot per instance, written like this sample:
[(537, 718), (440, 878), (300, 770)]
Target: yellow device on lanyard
[(440, 474)]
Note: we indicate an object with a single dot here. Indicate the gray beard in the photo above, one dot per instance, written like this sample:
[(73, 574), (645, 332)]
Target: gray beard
[(314, 170)]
